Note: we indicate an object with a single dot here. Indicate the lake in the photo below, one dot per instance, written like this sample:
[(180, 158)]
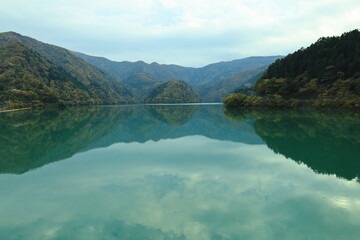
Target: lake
[(179, 172)]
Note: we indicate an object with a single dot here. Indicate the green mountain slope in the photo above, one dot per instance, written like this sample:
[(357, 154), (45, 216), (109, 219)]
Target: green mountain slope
[(217, 91), (326, 74), (174, 91), (140, 85), (99, 86), (26, 78)]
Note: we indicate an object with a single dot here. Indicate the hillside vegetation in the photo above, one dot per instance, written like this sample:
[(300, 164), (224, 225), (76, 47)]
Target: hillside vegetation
[(28, 78), (213, 82), (38, 74), (174, 91), (324, 75), (141, 84), (92, 86), (217, 91), (209, 74)]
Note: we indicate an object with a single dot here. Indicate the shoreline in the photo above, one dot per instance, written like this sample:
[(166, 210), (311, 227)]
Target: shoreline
[(16, 109)]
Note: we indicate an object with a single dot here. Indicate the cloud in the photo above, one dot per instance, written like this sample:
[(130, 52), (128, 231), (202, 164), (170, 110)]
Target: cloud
[(188, 32)]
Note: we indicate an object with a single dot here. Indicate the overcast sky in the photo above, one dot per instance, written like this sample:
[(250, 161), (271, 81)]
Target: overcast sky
[(185, 32)]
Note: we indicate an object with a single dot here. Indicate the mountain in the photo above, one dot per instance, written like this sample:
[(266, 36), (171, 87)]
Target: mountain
[(326, 74), (26, 77), (174, 91), (217, 91), (140, 84), (123, 70), (98, 86), (76, 78), (213, 82), (194, 76)]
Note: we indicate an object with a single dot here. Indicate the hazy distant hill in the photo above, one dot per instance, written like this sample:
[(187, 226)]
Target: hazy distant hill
[(141, 84), (99, 87), (213, 82), (217, 91), (174, 91), (123, 70), (194, 76)]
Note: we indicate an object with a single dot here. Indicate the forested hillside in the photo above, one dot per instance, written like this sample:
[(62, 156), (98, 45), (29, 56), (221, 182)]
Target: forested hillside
[(54, 75), (28, 79), (326, 74), (174, 91), (141, 84), (213, 82), (209, 74), (99, 88), (217, 91)]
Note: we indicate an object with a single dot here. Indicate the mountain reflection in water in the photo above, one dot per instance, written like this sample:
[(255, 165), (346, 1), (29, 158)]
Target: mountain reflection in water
[(328, 142), (179, 172), (31, 139)]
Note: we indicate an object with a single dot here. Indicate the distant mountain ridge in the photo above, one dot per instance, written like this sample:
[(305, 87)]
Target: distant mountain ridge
[(194, 76), (141, 85), (99, 87), (219, 90), (213, 82), (71, 78)]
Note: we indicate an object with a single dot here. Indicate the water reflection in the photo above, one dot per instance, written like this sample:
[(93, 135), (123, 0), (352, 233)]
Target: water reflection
[(328, 142), (186, 188), (135, 176), (31, 139), (174, 115)]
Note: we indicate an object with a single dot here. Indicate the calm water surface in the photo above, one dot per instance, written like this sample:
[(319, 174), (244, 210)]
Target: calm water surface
[(179, 172)]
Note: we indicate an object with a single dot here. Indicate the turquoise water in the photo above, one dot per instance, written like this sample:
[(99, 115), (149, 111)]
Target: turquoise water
[(179, 172)]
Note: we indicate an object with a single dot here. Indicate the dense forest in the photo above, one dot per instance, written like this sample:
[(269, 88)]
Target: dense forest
[(28, 78), (324, 75), (35, 73), (174, 91)]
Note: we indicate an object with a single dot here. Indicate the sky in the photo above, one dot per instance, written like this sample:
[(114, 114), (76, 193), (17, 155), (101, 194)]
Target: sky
[(185, 32)]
